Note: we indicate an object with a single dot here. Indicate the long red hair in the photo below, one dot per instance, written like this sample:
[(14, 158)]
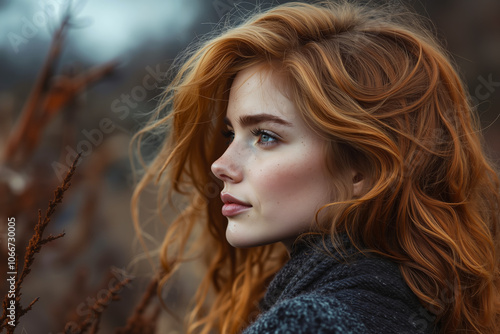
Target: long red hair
[(376, 84)]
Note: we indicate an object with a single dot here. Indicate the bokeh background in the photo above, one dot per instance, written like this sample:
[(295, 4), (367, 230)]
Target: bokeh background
[(91, 92)]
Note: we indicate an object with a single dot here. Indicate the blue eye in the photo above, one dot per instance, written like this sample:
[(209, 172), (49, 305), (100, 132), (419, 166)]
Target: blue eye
[(265, 137)]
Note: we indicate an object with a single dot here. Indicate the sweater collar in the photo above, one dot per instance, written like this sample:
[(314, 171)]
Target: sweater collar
[(310, 261)]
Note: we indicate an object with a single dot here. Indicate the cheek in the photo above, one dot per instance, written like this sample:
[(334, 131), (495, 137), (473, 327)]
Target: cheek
[(295, 182)]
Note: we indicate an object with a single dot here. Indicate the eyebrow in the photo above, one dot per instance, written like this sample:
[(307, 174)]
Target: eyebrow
[(249, 120)]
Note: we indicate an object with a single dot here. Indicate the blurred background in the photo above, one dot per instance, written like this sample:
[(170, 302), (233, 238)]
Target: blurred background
[(88, 87)]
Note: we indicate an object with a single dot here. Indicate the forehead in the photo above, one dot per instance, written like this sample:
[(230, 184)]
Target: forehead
[(259, 89)]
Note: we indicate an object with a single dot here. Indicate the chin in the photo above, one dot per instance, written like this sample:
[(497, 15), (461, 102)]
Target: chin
[(240, 240)]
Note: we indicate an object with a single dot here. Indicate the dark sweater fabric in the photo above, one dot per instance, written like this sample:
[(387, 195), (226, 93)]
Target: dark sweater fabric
[(317, 293)]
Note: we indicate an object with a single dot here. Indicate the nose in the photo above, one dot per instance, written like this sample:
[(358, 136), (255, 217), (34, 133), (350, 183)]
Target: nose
[(227, 168)]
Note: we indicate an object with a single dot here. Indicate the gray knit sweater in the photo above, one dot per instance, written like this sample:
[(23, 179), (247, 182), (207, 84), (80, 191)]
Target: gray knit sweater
[(316, 293)]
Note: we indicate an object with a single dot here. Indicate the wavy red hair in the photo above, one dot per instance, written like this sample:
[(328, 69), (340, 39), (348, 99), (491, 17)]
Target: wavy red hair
[(378, 86)]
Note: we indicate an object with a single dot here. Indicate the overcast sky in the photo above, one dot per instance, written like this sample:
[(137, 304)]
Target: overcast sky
[(111, 27)]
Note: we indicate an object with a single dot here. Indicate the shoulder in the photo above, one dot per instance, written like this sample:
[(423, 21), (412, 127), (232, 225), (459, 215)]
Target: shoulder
[(308, 313), (374, 290), (365, 295)]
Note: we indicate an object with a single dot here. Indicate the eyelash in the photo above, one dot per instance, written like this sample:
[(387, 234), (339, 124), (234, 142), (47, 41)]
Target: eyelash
[(259, 132), (229, 134)]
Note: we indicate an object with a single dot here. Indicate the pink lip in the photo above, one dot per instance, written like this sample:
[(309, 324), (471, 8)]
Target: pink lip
[(233, 206)]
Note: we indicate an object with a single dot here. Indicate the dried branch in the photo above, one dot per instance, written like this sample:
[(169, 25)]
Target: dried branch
[(48, 97), (35, 244), (94, 317), (52, 238), (138, 322), (37, 240), (30, 110)]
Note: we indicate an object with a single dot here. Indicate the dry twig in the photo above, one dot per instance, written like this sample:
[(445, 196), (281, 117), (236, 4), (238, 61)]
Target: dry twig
[(35, 244), (48, 97), (91, 322), (138, 323)]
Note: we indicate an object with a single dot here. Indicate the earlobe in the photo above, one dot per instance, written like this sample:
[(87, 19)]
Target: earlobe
[(358, 182)]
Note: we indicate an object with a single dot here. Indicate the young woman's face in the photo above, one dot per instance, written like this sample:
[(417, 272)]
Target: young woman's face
[(274, 170)]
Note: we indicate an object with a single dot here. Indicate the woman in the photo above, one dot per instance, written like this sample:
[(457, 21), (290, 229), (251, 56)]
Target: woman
[(349, 152)]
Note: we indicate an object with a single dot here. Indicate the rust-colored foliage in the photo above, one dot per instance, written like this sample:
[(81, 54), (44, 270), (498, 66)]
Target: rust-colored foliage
[(48, 96), (92, 320), (52, 93), (35, 244)]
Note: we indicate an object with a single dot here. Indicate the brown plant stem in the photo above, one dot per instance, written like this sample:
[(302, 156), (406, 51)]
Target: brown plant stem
[(137, 322), (34, 246), (92, 321), (48, 96)]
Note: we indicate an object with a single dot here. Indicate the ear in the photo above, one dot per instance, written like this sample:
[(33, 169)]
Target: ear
[(358, 183)]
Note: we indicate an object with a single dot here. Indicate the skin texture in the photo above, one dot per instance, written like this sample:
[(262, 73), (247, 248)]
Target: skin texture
[(280, 171)]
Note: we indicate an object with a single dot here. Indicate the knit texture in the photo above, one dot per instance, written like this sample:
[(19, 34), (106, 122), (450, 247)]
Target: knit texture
[(318, 293)]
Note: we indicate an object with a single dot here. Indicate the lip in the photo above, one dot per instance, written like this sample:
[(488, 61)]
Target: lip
[(233, 206)]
